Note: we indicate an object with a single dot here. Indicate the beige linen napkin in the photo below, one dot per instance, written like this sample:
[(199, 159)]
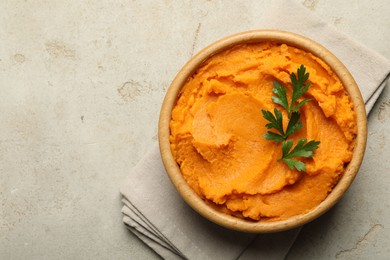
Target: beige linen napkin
[(153, 209), (157, 215)]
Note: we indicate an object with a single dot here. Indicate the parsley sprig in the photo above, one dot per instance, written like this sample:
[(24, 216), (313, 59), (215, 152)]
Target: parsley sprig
[(299, 88), (303, 148), (276, 122)]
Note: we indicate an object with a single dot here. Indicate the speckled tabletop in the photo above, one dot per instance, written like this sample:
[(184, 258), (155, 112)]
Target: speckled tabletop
[(81, 87)]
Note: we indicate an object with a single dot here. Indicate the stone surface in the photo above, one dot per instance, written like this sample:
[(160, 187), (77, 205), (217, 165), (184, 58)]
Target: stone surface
[(81, 84)]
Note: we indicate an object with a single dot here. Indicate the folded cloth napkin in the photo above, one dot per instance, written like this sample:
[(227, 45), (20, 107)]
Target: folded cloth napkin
[(157, 215), (155, 212)]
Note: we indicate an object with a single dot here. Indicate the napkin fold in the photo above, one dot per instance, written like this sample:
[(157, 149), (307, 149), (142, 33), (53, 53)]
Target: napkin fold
[(155, 212)]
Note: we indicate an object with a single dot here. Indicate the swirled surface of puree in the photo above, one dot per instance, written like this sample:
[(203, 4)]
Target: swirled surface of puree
[(217, 132)]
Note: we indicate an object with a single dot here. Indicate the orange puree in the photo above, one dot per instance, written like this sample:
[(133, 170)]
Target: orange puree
[(217, 132)]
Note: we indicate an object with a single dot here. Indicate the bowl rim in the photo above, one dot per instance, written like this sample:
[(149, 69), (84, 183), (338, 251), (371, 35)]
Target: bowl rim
[(254, 36)]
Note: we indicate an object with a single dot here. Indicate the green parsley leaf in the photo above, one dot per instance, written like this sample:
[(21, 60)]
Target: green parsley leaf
[(298, 165), (276, 121), (274, 137), (281, 96), (293, 124), (302, 149), (299, 87)]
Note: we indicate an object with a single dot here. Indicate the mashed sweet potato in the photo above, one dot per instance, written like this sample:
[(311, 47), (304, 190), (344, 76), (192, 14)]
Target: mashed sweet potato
[(217, 132)]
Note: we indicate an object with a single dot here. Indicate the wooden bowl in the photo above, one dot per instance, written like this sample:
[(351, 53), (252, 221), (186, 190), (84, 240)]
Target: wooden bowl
[(232, 222)]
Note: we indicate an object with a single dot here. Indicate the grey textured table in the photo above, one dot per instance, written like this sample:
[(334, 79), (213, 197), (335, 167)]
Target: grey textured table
[(81, 86)]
